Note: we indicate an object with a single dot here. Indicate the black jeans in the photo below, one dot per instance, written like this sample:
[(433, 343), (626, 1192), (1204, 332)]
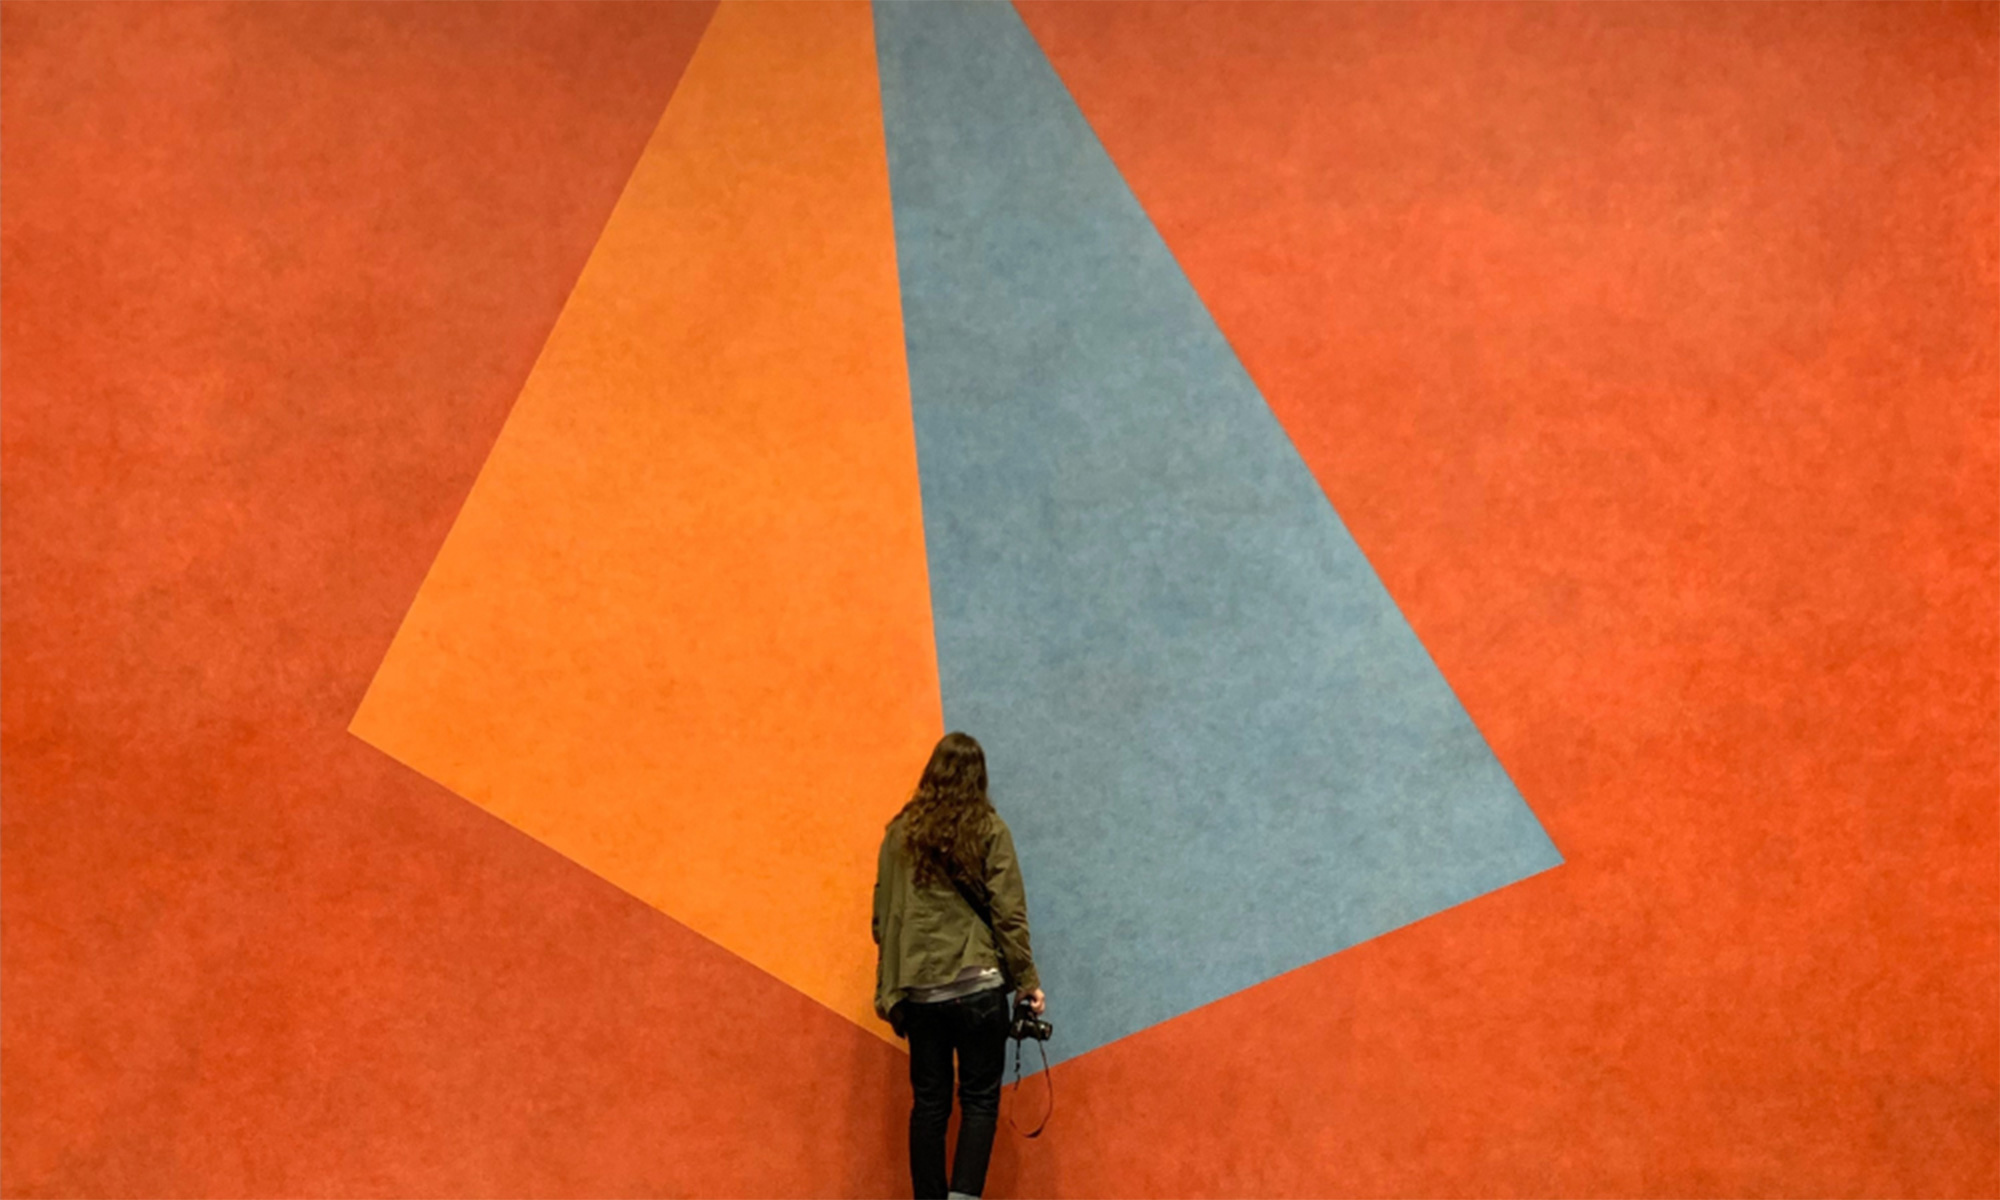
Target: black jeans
[(976, 1027)]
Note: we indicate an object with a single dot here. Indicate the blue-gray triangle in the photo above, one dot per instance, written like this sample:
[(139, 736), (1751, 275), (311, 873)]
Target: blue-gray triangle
[(1222, 750)]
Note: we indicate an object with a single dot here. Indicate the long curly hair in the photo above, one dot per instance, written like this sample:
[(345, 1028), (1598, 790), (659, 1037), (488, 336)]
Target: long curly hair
[(948, 814)]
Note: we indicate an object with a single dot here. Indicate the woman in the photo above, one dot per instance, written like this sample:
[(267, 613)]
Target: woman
[(951, 924)]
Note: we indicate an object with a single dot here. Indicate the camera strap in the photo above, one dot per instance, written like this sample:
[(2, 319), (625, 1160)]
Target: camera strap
[(979, 905), (985, 913), (1017, 1089)]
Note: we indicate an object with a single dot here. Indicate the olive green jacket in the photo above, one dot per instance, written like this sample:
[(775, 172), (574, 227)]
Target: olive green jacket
[(926, 936)]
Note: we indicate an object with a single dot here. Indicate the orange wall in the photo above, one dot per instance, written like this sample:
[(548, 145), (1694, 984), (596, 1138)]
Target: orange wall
[(1648, 351)]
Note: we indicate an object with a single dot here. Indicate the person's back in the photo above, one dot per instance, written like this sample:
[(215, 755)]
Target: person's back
[(951, 924)]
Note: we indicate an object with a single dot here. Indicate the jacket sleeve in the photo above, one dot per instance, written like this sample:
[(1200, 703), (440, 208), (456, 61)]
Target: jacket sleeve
[(1009, 901), (881, 893)]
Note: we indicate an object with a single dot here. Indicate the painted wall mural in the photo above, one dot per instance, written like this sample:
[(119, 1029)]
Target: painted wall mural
[(1470, 535)]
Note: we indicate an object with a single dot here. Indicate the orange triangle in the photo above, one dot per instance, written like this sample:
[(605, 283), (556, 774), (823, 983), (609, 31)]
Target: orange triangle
[(681, 630)]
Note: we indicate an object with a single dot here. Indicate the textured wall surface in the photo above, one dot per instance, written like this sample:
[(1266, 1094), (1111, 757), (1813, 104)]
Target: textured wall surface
[(471, 474), (680, 631), (1221, 749)]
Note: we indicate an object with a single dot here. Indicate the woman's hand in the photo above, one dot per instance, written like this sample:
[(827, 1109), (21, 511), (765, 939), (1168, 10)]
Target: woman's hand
[(1035, 1001)]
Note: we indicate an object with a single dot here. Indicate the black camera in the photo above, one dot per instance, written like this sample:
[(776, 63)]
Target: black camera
[(1027, 1025)]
